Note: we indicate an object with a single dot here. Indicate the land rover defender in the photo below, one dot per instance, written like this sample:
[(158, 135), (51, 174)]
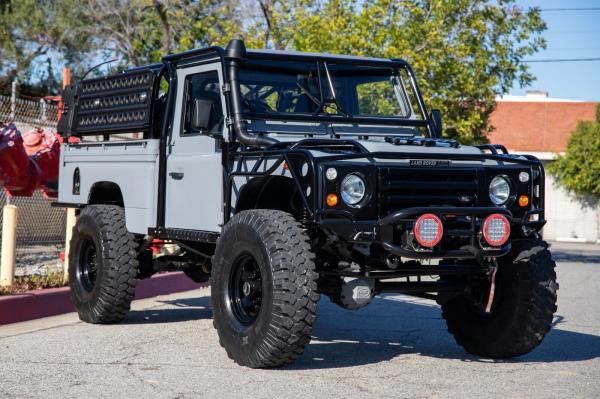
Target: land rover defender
[(282, 176)]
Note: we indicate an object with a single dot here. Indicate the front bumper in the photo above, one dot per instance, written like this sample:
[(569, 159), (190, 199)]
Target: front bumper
[(461, 240)]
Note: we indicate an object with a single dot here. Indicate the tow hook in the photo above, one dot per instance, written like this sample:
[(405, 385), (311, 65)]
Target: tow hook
[(488, 306)]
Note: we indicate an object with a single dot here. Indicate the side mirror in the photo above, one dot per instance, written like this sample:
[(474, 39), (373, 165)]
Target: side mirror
[(201, 113), (436, 121)]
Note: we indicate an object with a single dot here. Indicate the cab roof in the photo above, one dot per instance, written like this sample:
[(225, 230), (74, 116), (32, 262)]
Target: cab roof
[(215, 51)]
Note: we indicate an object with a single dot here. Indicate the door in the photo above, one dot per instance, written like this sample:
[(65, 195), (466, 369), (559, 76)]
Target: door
[(194, 171)]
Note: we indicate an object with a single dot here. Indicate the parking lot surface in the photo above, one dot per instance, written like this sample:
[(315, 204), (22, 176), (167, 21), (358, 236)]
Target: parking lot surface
[(396, 347)]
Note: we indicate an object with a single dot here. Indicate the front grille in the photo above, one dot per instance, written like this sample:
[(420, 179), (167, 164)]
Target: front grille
[(405, 187)]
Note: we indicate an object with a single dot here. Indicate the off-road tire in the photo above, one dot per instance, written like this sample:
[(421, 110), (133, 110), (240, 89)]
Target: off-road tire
[(287, 313), (522, 311), (108, 299)]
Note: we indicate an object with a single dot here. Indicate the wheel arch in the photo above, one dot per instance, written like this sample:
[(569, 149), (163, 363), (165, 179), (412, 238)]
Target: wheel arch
[(105, 192), (269, 192)]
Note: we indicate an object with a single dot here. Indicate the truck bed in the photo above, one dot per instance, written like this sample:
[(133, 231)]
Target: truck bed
[(130, 165)]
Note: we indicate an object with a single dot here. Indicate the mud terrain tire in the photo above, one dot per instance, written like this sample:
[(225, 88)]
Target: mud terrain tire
[(102, 264), (523, 308), (264, 254)]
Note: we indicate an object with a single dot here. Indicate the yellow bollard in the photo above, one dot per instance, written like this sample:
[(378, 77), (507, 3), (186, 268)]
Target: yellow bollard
[(9, 245), (71, 219)]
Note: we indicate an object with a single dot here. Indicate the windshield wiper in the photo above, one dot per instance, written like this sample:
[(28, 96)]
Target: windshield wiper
[(338, 105)]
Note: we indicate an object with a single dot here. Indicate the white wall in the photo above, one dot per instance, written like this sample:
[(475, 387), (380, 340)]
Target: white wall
[(568, 218)]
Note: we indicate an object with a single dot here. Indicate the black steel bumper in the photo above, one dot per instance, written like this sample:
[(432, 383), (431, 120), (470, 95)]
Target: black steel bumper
[(385, 231), (473, 250)]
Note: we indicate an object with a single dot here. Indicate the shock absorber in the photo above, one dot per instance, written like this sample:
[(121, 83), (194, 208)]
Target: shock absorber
[(304, 219)]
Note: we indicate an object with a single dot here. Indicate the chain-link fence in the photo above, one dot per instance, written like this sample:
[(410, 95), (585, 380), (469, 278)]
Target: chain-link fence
[(27, 113), (40, 227), (38, 222)]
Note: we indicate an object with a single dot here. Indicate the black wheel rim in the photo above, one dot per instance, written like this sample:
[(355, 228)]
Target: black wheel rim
[(87, 271), (245, 289)]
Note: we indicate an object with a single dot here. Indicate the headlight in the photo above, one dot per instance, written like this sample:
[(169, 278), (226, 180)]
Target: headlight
[(353, 189), (499, 190)]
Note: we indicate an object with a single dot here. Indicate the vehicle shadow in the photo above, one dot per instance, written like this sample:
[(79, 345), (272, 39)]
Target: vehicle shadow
[(389, 327), (393, 326), (569, 256), (185, 310)]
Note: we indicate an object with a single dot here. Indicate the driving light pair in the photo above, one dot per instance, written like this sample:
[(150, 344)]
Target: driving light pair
[(428, 230)]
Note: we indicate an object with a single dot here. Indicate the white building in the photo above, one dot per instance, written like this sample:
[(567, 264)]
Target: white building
[(539, 125)]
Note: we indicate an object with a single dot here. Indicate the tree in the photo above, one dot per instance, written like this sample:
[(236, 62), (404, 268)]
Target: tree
[(464, 52), (34, 33), (579, 169), (143, 31)]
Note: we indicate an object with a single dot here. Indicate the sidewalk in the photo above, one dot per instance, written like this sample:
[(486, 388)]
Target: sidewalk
[(54, 301)]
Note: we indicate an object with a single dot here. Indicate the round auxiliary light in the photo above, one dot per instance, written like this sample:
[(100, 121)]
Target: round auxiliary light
[(499, 190), (523, 177), (331, 200), (496, 230), (331, 174), (428, 230), (523, 201), (353, 189)]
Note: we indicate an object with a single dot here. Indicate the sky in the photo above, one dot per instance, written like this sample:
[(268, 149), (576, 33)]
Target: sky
[(570, 34)]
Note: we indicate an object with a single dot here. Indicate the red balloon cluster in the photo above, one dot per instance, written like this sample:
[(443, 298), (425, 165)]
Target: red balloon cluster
[(29, 161)]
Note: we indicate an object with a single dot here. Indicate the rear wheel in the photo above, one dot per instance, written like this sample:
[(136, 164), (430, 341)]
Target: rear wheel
[(523, 307), (102, 264), (263, 289)]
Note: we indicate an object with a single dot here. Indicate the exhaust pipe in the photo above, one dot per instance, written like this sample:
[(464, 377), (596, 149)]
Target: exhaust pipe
[(234, 54)]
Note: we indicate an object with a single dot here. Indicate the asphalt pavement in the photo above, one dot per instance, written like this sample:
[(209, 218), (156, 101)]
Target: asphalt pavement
[(396, 347)]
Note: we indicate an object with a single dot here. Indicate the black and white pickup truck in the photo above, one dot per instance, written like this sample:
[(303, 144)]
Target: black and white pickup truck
[(283, 176)]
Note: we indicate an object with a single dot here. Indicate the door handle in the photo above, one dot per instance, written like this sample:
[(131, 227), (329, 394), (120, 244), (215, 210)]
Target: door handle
[(176, 175)]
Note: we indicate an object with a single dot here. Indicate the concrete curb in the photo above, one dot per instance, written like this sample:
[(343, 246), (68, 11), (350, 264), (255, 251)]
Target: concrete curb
[(53, 301)]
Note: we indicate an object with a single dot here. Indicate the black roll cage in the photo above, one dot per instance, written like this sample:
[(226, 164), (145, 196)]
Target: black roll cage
[(303, 148)]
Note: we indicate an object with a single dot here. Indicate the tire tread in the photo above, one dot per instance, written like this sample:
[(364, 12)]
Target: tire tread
[(294, 288), (536, 277), (120, 260)]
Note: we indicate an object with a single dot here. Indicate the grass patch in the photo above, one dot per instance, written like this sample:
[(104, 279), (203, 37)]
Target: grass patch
[(34, 282)]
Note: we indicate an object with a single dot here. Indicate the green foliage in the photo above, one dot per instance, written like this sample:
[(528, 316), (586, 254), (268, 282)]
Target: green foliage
[(464, 52), (34, 282), (579, 169)]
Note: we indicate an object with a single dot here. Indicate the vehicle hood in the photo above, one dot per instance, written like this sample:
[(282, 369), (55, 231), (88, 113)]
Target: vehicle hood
[(380, 146), (437, 147)]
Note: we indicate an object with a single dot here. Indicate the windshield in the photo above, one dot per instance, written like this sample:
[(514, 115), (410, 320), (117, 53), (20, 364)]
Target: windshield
[(318, 88)]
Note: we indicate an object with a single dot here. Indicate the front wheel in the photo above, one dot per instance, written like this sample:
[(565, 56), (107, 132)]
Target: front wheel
[(263, 289), (523, 307)]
